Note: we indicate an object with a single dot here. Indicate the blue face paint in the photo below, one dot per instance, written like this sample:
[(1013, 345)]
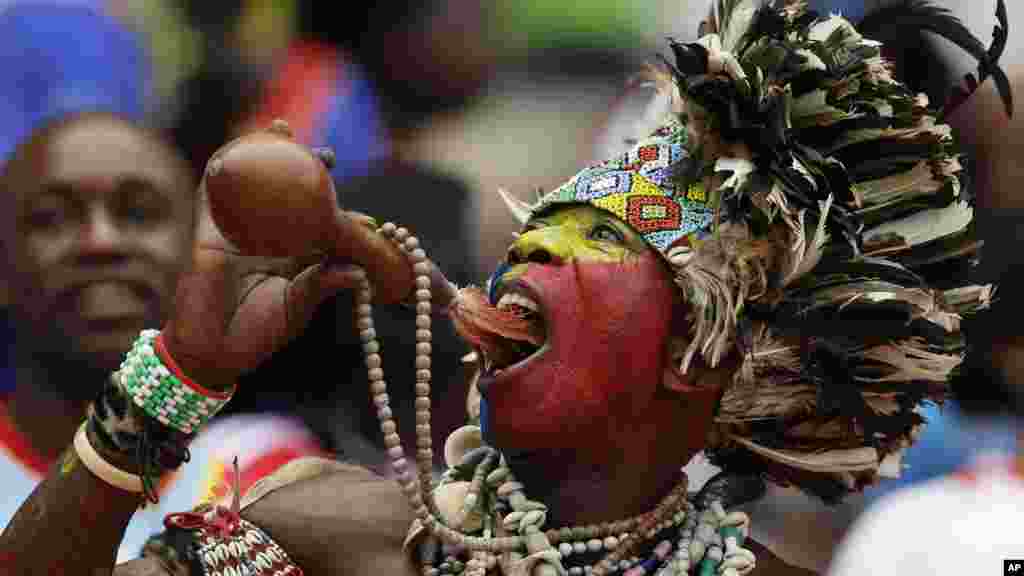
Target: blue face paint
[(492, 282), (485, 428)]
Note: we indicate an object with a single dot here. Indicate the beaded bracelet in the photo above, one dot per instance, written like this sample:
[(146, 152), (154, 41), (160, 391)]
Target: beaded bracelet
[(158, 386)]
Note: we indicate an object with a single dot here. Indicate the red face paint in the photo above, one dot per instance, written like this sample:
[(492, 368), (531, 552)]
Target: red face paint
[(594, 387)]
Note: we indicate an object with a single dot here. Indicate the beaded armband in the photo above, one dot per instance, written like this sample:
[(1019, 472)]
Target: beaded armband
[(161, 389), (224, 544)]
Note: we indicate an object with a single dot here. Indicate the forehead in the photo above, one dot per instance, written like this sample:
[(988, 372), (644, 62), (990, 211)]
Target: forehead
[(559, 213), (102, 151)]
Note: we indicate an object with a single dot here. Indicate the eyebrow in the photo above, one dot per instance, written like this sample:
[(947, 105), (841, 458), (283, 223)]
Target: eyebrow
[(626, 230), (137, 183)]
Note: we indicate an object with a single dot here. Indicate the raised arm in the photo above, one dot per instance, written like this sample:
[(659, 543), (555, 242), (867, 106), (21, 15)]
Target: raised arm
[(71, 524), (232, 311)]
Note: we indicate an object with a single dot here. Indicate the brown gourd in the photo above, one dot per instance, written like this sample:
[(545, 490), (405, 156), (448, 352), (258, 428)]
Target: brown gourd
[(271, 196)]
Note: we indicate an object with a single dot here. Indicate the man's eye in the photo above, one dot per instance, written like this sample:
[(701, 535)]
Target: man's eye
[(606, 233), (143, 210), (138, 213), (48, 213), (45, 218)]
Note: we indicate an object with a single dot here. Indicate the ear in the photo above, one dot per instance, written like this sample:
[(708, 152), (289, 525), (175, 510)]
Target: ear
[(699, 377), (700, 381)]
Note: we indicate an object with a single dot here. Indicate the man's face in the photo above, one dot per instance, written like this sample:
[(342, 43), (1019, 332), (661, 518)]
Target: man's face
[(103, 222), (606, 304)]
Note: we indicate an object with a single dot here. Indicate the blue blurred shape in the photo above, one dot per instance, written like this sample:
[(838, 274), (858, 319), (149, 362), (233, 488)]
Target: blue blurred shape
[(61, 58)]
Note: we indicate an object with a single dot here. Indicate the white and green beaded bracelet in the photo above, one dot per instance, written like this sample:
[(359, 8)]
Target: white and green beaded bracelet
[(158, 386)]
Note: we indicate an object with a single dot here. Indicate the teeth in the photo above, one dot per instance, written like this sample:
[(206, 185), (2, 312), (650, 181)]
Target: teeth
[(509, 299)]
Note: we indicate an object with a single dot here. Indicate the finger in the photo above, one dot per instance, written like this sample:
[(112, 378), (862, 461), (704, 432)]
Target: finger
[(312, 287), (205, 298), (443, 292), (388, 269)]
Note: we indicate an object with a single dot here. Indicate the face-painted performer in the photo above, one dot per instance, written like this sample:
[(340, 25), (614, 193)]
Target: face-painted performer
[(765, 278)]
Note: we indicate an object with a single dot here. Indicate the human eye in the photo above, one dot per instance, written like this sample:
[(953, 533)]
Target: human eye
[(48, 211), (140, 204), (606, 233)]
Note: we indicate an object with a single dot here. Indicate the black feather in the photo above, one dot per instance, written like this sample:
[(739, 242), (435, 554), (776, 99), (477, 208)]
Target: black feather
[(1003, 86), (767, 22), (691, 59), (924, 15)]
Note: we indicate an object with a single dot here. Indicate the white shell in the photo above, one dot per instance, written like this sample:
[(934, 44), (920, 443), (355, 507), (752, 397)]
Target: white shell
[(697, 550), (532, 518), (511, 521), (534, 563), (739, 563), (460, 442), (450, 498), (497, 476), (735, 519)]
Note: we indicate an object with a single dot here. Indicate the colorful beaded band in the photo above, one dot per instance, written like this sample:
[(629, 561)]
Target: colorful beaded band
[(158, 386)]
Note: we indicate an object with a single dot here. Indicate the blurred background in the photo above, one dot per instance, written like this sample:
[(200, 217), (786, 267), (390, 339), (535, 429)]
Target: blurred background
[(430, 107)]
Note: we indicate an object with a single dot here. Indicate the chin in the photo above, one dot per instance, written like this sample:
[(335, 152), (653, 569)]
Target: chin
[(105, 351)]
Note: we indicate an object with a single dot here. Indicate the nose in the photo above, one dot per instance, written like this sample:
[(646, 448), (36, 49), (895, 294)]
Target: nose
[(548, 245), (100, 234)]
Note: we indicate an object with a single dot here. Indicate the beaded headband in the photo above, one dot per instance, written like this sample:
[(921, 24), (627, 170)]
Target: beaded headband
[(641, 188)]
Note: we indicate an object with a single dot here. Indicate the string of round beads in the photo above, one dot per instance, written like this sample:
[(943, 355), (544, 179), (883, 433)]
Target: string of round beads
[(647, 529), (424, 441)]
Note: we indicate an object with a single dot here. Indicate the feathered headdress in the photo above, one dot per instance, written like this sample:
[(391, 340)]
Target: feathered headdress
[(823, 254)]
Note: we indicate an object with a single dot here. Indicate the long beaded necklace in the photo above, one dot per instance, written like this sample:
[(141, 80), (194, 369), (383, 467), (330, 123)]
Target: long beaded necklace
[(709, 540)]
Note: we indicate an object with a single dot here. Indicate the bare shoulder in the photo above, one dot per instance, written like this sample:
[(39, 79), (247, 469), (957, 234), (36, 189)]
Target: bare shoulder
[(344, 521), (142, 567), (769, 564), (352, 521)]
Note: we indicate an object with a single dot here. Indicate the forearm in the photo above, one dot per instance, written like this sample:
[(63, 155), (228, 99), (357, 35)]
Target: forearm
[(71, 524), (74, 521)]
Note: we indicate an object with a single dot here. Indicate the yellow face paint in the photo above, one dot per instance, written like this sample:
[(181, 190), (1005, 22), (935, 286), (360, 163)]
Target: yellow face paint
[(576, 232)]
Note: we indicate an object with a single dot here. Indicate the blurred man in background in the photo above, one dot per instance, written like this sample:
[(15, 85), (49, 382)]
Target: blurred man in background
[(46, 75), (101, 216)]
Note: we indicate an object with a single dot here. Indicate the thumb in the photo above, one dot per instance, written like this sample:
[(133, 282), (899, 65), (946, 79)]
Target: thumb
[(312, 287)]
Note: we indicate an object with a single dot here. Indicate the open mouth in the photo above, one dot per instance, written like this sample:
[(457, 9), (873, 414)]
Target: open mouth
[(507, 333), (514, 348)]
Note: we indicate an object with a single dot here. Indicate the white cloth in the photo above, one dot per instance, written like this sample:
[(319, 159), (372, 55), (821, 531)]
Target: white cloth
[(949, 526), (262, 443)]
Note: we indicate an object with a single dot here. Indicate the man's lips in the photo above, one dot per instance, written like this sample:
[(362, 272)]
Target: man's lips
[(108, 304), (510, 296)]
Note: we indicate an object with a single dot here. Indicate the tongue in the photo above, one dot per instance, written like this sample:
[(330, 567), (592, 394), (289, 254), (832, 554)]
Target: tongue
[(484, 326)]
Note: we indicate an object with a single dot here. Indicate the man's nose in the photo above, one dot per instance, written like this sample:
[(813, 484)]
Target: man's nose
[(550, 245), (101, 234)]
